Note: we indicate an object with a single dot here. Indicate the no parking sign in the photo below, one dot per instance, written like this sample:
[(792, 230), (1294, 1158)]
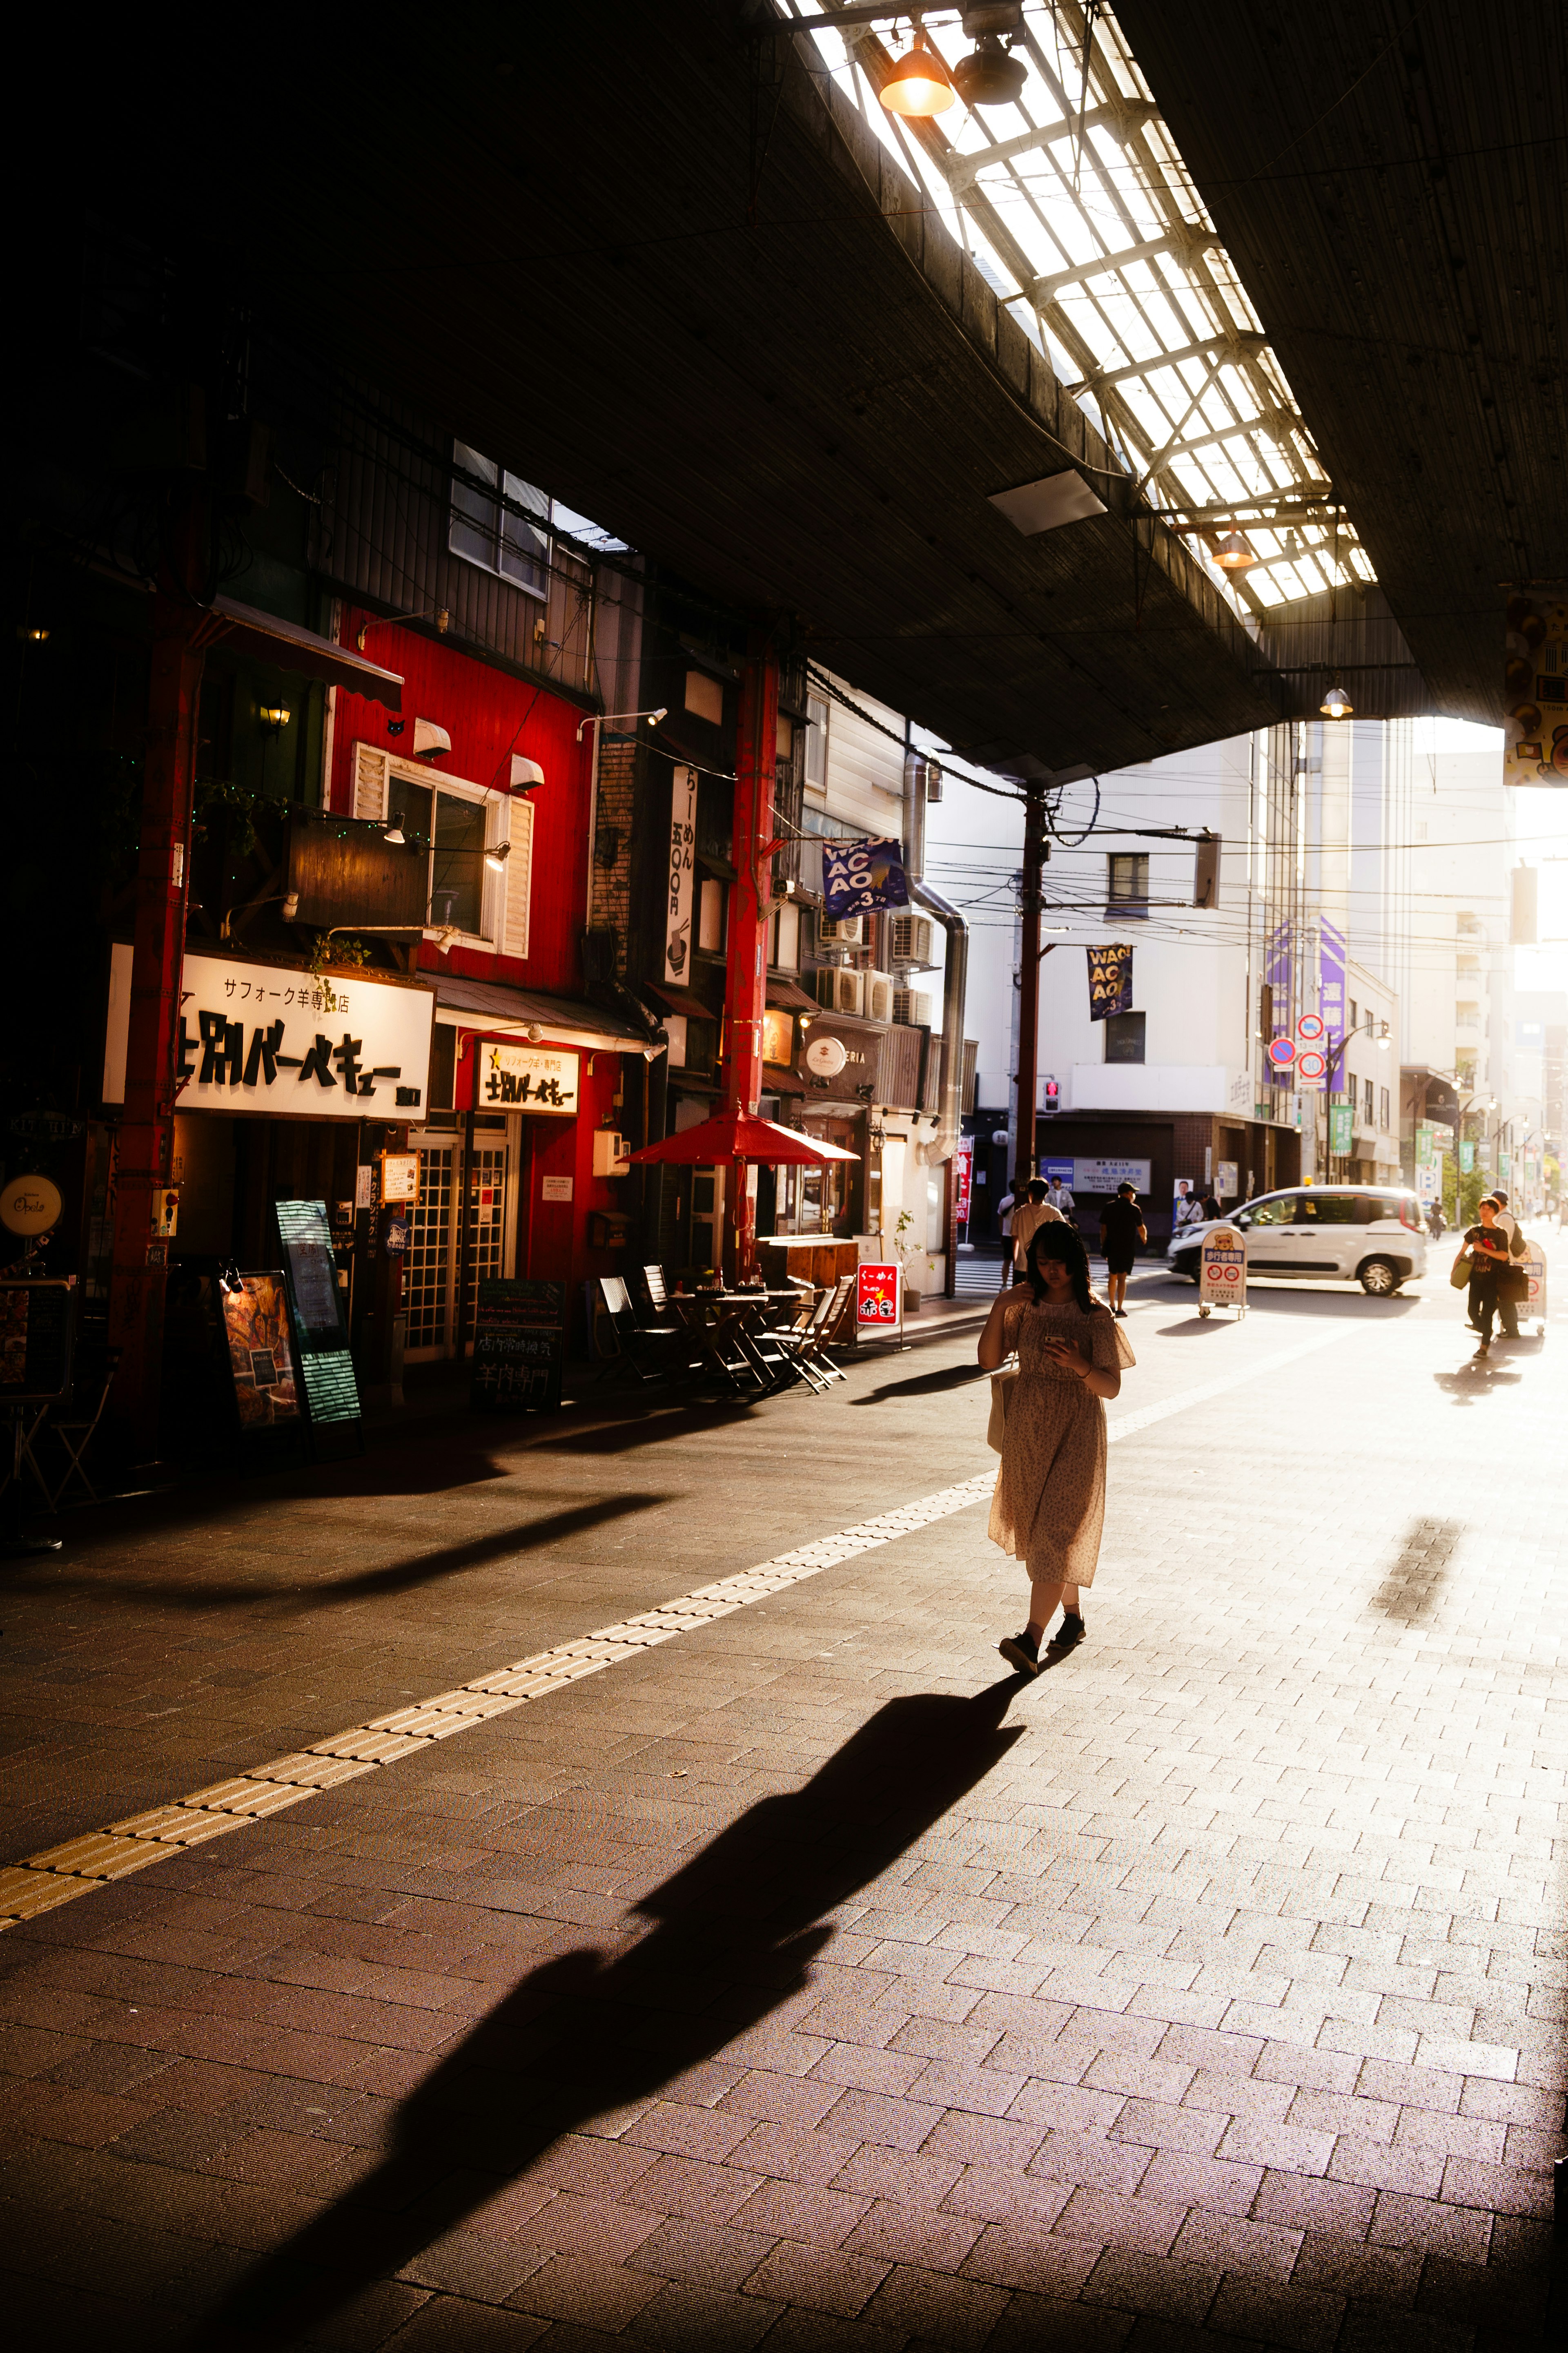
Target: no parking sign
[(1222, 1270)]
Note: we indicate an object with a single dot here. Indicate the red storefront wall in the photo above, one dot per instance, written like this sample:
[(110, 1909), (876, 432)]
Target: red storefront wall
[(489, 715)]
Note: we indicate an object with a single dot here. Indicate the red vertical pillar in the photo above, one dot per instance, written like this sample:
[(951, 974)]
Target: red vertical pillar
[(1028, 987), (151, 1058), (745, 988)]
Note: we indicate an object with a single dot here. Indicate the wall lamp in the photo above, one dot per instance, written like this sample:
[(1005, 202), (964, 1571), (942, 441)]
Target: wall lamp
[(273, 717), (288, 900), (442, 618)]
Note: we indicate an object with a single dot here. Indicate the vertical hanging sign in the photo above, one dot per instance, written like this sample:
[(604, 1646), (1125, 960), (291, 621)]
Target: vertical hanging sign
[(683, 844), (1332, 987)]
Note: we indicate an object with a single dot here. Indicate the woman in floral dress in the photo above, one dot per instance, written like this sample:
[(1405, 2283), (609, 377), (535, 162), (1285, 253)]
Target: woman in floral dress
[(1049, 1504)]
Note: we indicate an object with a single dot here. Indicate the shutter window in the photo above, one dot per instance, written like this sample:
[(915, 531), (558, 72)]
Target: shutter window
[(512, 937), (369, 772)]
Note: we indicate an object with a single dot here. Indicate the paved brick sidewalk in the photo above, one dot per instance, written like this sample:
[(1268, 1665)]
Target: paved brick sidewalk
[(807, 1983)]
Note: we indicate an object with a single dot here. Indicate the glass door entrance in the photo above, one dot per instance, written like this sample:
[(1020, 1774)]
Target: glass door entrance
[(432, 1277)]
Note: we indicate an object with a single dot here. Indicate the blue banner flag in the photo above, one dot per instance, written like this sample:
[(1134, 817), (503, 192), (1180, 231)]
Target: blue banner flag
[(859, 875), (1109, 980)]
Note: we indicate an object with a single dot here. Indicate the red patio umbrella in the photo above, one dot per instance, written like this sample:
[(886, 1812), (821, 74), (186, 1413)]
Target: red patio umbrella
[(742, 1136)]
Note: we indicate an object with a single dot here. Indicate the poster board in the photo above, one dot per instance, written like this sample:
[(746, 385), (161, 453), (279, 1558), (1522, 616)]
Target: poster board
[(326, 1367), (1222, 1270), (879, 1300), (520, 1347), (37, 1333), (261, 1351)]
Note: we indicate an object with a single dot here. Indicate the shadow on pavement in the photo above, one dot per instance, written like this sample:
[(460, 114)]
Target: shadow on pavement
[(954, 1377), (589, 2033), (1474, 1380), (323, 1590)]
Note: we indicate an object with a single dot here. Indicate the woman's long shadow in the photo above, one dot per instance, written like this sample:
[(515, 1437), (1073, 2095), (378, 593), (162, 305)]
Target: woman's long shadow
[(733, 1931)]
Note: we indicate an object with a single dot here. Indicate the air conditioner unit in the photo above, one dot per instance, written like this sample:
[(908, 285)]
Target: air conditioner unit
[(911, 939), (913, 1006), (840, 991), (879, 996), (841, 931)]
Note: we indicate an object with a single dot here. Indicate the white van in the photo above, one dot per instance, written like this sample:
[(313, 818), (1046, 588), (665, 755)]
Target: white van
[(1371, 1234)]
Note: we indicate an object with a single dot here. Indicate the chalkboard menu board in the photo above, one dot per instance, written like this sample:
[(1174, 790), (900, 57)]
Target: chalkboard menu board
[(38, 1322), (520, 1347), (326, 1367)]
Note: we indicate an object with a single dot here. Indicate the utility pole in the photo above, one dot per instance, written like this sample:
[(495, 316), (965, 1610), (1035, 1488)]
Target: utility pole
[(180, 625), (745, 991), (1030, 901)]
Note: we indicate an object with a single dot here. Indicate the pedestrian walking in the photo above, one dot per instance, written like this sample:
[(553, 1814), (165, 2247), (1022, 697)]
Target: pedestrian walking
[(1212, 1211), (1436, 1223), (1508, 1293), (1032, 1212), (1049, 1505), (1061, 1199), (1121, 1231), (1485, 1245)]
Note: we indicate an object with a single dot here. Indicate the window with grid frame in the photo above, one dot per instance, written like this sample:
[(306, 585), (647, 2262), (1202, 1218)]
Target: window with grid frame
[(487, 528), (1383, 1109), (1127, 885), (1367, 1105)]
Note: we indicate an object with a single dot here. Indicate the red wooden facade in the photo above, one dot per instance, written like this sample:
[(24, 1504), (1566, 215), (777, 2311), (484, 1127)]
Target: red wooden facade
[(489, 715)]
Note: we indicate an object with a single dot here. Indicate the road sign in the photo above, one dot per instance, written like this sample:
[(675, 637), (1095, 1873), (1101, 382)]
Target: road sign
[(1282, 1052), (1312, 1068), (1222, 1270), (1310, 1029), (1535, 1275)]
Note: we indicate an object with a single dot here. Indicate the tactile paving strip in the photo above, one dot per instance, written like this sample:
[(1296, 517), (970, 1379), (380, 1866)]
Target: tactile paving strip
[(82, 1863)]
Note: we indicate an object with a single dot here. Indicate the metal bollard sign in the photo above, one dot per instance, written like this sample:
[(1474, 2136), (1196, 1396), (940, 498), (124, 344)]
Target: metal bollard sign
[(1535, 1275), (1221, 1275)]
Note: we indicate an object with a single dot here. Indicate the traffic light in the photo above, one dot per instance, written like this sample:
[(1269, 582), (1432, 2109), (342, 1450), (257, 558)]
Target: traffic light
[(1053, 1095)]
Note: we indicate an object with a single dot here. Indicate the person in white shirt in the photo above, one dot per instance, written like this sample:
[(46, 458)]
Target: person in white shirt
[(1507, 1309), (1033, 1212), (1061, 1199)]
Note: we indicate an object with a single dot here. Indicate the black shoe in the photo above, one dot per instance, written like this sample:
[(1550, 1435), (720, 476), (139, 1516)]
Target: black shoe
[(1120, 1314), (1021, 1651), (1069, 1633)]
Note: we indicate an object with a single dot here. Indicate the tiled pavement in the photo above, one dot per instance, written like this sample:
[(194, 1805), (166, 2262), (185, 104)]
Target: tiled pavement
[(803, 1982)]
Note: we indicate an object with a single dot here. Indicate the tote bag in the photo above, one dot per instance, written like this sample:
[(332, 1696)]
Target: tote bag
[(1002, 1383)]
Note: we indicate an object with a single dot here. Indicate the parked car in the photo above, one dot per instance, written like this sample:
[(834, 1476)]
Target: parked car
[(1369, 1234)]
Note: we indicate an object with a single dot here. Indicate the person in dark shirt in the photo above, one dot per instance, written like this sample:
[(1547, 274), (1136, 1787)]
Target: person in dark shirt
[(1122, 1229), (1485, 1245)]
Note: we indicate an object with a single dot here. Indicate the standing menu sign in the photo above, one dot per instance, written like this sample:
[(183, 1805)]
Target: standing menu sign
[(879, 1302), (520, 1347), (37, 1324), (326, 1367), (260, 1353)]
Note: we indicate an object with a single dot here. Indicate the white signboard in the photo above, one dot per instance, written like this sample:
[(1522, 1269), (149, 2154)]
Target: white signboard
[(1535, 1275), (1222, 1268), (529, 1077), (555, 1189), (683, 844), (270, 1038), (1225, 1179), (1105, 1175)]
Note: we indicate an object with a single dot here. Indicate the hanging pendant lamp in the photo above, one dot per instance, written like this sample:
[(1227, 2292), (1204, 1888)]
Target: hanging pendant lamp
[(920, 84), (1337, 704), (1233, 554), (988, 76)]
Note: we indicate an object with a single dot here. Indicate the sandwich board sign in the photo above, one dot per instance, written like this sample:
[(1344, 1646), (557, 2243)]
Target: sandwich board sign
[(1222, 1270)]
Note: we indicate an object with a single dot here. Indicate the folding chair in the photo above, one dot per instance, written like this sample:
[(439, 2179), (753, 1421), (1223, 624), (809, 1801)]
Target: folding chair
[(797, 1338), (841, 1306), (90, 1395), (636, 1341), (809, 1347)]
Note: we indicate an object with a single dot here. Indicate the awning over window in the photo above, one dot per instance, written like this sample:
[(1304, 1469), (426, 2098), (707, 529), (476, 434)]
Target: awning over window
[(679, 1000), (529, 1013), (286, 647), (785, 997)]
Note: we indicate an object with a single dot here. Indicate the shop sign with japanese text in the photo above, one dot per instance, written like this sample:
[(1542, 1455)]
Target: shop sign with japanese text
[(529, 1077), (272, 1037)]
